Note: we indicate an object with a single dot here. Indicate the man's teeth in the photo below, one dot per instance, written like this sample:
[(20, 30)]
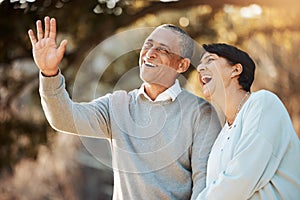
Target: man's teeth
[(149, 64), (205, 79)]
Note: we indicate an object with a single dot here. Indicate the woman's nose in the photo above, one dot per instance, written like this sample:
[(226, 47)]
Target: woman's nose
[(201, 67)]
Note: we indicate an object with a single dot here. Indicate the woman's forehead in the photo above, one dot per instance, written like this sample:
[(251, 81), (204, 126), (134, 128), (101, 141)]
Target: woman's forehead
[(207, 54)]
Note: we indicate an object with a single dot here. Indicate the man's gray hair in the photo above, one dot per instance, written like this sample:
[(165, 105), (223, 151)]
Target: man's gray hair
[(186, 43)]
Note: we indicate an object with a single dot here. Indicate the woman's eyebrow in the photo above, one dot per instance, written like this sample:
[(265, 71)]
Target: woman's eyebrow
[(204, 58)]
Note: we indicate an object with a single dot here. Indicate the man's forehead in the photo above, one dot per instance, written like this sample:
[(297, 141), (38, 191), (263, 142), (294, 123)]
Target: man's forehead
[(164, 36)]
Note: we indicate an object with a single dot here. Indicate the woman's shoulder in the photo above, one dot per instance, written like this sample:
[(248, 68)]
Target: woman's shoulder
[(266, 101), (264, 93), (265, 96)]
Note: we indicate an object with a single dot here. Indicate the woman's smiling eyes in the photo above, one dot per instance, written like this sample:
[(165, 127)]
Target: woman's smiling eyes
[(209, 59)]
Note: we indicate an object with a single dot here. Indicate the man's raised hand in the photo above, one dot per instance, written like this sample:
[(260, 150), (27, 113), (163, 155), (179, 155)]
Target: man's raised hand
[(46, 54)]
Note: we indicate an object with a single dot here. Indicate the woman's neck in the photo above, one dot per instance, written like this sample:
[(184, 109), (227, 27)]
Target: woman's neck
[(231, 102), (234, 101)]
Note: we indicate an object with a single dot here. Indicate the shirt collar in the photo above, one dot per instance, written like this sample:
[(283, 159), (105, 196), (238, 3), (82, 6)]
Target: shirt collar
[(169, 94)]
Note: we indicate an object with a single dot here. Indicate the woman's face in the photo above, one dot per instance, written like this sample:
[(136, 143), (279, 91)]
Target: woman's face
[(214, 74)]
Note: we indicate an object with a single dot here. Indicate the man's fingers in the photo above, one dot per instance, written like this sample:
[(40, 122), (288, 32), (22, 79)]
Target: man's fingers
[(62, 49), (47, 26), (39, 29), (52, 28), (32, 37)]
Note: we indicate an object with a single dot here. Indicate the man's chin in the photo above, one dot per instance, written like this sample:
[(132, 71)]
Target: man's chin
[(158, 82), (159, 76)]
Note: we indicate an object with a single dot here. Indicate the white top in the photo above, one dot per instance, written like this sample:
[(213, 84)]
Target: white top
[(258, 157), (170, 93)]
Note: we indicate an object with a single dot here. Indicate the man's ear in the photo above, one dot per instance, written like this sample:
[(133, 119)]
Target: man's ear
[(184, 65), (237, 69)]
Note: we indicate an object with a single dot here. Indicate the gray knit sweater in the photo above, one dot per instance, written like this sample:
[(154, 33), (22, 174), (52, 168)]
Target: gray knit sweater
[(159, 149)]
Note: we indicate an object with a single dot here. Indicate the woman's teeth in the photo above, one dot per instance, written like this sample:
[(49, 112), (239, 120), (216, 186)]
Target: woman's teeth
[(205, 79)]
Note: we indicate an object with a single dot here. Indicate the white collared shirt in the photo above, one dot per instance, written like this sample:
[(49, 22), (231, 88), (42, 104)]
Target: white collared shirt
[(171, 93)]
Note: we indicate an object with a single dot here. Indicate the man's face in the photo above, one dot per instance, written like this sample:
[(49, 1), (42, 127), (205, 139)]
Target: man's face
[(160, 57)]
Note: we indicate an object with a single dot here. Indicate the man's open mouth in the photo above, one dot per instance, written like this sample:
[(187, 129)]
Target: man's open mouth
[(149, 64)]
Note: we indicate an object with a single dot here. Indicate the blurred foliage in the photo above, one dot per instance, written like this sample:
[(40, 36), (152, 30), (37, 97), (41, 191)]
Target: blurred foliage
[(269, 30)]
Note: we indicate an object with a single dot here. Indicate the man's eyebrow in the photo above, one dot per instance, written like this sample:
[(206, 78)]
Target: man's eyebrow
[(149, 40), (161, 44), (164, 45)]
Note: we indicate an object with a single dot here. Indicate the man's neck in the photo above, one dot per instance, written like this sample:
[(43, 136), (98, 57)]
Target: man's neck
[(153, 90)]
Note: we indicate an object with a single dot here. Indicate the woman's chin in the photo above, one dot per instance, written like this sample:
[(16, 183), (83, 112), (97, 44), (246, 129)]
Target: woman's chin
[(206, 94)]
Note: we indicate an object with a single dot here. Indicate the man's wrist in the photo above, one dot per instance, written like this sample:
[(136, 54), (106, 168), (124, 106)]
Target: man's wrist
[(50, 74)]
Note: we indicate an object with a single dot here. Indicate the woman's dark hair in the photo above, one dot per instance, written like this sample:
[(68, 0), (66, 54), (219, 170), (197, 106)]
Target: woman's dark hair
[(235, 56)]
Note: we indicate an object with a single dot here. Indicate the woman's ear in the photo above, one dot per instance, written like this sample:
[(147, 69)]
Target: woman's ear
[(237, 69), (184, 65)]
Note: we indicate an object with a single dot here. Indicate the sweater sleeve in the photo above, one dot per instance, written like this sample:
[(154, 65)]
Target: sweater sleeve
[(258, 152), (86, 119), (206, 131)]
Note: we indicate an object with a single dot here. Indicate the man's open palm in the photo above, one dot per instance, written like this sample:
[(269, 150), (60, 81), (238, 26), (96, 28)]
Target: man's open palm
[(46, 54)]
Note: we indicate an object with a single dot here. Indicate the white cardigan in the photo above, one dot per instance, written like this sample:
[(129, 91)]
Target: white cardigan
[(258, 157)]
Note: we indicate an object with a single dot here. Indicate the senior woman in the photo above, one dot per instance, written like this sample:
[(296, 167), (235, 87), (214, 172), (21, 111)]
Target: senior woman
[(257, 153)]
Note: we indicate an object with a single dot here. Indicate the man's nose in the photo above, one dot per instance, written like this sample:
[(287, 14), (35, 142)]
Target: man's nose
[(151, 53)]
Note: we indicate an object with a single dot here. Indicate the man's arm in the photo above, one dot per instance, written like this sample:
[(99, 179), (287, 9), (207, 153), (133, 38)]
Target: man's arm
[(89, 119), (207, 128)]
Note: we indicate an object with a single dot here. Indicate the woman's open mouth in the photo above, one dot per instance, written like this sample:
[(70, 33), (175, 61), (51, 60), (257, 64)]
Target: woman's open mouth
[(205, 79)]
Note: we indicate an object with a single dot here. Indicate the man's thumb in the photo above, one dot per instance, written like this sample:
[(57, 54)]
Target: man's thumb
[(62, 48)]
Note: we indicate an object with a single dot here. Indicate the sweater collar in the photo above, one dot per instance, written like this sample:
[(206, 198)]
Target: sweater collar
[(169, 94)]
